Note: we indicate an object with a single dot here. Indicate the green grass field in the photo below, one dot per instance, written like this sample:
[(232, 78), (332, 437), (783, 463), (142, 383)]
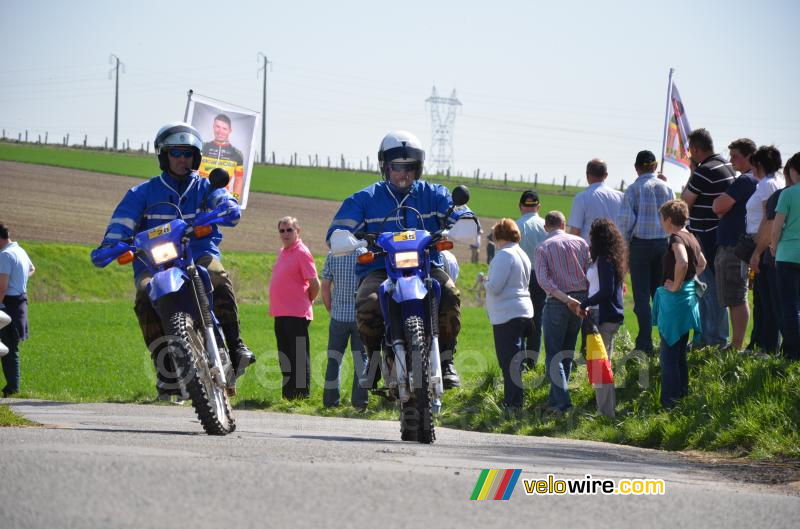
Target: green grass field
[(85, 346), (291, 181)]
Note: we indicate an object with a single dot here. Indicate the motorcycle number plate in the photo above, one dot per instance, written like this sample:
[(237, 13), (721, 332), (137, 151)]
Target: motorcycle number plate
[(405, 236), (158, 231)]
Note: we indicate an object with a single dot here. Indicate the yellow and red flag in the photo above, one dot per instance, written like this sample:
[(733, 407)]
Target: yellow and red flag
[(599, 368)]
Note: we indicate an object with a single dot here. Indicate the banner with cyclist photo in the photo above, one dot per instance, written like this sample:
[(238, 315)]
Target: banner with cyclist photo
[(229, 136)]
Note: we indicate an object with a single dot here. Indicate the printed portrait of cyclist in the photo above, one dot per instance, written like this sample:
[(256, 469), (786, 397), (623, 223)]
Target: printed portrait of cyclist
[(221, 153)]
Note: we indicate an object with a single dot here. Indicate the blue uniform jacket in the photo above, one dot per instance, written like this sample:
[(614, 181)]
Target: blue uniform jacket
[(129, 217), (366, 209)]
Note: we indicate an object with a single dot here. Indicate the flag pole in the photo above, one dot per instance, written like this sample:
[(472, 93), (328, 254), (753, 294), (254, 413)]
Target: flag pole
[(666, 118), (188, 101)]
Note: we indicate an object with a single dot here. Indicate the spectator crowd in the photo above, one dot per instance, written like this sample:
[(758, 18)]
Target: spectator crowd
[(553, 281)]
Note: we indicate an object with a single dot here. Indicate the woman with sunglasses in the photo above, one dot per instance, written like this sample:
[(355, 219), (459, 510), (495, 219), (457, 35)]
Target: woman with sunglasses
[(292, 288)]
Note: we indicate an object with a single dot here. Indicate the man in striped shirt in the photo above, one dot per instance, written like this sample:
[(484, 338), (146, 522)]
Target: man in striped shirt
[(561, 263), (710, 179)]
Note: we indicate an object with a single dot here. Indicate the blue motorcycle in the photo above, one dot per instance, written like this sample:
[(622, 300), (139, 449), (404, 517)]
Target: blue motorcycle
[(409, 300), (181, 294)]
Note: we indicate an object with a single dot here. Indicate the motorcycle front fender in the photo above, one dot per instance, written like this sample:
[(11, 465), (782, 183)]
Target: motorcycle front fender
[(166, 282), (408, 288)]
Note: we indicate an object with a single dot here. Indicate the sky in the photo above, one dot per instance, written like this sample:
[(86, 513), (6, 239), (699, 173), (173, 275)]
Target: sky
[(544, 86)]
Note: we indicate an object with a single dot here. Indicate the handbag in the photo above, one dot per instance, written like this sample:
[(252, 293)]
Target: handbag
[(745, 247)]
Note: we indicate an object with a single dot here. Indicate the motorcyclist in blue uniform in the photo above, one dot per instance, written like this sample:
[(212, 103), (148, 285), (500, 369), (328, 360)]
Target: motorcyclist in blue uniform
[(178, 147), (401, 159)]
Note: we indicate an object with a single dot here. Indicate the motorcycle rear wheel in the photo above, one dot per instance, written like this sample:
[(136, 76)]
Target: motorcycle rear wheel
[(209, 399), (416, 417)]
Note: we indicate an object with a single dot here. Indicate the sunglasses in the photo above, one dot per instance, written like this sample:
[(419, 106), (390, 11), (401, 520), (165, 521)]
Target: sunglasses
[(403, 166), (178, 153), (286, 230)]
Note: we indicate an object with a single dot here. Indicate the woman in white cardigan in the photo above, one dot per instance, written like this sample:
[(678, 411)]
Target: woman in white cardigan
[(508, 304)]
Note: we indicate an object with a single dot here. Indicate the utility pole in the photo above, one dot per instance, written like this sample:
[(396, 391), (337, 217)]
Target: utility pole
[(115, 70), (264, 107)]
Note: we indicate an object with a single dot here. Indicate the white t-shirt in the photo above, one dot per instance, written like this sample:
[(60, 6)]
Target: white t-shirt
[(755, 205), (594, 282)]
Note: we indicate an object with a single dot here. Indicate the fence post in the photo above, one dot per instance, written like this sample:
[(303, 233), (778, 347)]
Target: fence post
[(505, 179), (86, 138), (67, 142), (564, 185), (26, 136), (622, 186)]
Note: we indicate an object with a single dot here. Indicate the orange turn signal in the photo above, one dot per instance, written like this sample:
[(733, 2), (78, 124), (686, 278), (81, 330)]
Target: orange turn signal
[(444, 244), (125, 258), (202, 231), (366, 258)]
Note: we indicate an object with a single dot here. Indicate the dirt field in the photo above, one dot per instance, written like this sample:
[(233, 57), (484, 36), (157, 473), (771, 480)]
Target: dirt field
[(44, 203)]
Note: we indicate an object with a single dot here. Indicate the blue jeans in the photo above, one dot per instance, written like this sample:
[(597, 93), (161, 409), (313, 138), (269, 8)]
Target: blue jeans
[(713, 318), (674, 371), (508, 345), (532, 340), (339, 332), (646, 266), (788, 275), (561, 328)]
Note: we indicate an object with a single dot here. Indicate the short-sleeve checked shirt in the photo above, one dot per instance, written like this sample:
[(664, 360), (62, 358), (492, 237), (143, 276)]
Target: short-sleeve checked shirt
[(341, 270), (598, 201)]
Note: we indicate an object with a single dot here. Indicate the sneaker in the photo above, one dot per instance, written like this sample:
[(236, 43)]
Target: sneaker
[(450, 377)]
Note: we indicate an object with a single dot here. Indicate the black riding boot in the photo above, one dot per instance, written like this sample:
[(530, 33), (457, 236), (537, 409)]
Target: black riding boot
[(372, 368), (241, 355)]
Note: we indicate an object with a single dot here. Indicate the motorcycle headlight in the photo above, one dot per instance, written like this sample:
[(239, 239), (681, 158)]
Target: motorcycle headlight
[(164, 253), (406, 259)]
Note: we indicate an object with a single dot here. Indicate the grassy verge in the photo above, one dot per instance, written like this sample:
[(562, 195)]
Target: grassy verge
[(9, 418), (85, 346), (487, 199)]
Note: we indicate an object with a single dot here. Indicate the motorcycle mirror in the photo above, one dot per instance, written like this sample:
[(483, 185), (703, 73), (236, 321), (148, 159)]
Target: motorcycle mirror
[(219, 178), (460, 195)]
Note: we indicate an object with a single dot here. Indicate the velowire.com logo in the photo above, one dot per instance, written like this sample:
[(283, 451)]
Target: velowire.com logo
[(496, 484)]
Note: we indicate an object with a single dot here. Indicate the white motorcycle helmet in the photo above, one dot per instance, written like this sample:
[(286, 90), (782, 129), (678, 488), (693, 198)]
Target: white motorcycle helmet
[(400, 146), (177, 134)]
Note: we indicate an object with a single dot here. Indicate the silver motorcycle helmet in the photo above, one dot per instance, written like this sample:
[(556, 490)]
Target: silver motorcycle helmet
[(178, 134), (400, 146)]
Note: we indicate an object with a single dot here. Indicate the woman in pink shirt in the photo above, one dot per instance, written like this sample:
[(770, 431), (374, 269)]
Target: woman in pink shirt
[(292, 289)]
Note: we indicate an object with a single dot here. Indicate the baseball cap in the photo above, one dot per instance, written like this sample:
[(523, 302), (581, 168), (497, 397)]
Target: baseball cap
[(645, 158), (529, 198)]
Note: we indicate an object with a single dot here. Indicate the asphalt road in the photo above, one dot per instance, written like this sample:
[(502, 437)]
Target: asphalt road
[(119, 465)]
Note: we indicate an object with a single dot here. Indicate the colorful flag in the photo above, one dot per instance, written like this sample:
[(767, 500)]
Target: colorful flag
[(599, 367), (495, 484), (676, 141)]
